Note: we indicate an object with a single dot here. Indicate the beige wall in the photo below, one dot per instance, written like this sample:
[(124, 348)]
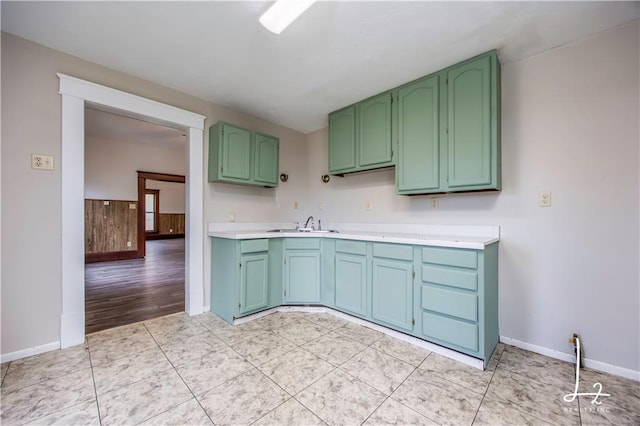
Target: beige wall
[(31, 120), (110, 166), (569, 126), (172, 195)]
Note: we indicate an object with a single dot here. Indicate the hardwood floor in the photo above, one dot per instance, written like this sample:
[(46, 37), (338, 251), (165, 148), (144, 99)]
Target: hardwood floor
[(127, 291)]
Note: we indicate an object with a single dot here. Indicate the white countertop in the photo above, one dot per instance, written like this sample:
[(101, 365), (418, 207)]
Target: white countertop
[(471, 237)]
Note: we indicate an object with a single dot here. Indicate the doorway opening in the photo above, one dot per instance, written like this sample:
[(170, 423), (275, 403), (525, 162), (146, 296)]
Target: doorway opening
[(77, 93), (127, 278)]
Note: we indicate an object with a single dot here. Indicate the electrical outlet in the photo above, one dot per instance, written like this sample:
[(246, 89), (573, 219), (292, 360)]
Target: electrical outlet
[(128, 243), (105, 203), (368, 206), (435, 203), (41, 162), (232, 216), (320, 206), (132, 206), (544, 199)]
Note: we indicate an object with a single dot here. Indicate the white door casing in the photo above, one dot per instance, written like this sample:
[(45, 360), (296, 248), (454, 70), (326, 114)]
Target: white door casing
[(75, 93)]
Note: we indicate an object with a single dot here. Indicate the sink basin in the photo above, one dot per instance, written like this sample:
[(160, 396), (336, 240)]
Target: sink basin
[(311, 231)]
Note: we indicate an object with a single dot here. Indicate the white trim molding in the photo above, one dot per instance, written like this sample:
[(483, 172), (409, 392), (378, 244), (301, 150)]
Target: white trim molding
[(12, 356), (562, 356), (76, 93)]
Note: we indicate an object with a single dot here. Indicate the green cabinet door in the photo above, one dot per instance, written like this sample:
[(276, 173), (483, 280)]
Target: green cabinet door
[(351, 283), (418, 168), (473, 124), (254, 279), (374, 124), (342, 140), (236, 153), (302, 276), (266, 158), (239, 156), (392, 293)]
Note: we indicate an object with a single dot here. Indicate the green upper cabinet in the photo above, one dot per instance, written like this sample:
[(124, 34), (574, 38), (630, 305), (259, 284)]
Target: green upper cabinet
[(342, 140), (237, 155), (374, 124), (445, 128), (266, 159), (360, 136), (448, 130), (473, 123), (418, 168)]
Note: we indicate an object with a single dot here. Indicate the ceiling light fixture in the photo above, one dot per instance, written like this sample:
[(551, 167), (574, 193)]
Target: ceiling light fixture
[(282, 13)]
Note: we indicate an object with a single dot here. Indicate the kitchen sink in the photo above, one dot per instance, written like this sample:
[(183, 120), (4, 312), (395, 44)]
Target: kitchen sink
[(309, 230)]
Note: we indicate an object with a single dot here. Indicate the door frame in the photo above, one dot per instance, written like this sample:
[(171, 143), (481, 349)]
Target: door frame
[(142, 190), (77, 93)]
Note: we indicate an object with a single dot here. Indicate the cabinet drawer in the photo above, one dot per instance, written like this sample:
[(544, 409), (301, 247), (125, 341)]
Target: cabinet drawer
[(450, 257), (351, 247), (449, 330), (393, 251), (467, 280), (253, 246), (450, 302), (302, 243)]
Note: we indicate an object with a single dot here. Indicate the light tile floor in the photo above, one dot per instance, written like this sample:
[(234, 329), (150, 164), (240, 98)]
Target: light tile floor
[(293, 369)]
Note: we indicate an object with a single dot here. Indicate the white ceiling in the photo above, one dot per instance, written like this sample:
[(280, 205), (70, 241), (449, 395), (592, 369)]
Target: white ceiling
[(337, 53), (108, 126)]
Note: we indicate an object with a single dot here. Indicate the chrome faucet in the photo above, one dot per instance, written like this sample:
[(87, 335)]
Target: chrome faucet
[(306, 224)]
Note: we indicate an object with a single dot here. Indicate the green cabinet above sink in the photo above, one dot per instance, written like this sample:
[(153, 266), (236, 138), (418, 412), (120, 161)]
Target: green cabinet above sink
[(442, 131), (360, 136)]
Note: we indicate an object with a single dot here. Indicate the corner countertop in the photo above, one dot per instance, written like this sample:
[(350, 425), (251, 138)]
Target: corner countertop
[(456, 236)]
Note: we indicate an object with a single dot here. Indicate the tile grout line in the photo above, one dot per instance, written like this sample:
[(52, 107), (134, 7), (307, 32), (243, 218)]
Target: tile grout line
[(181, 378), (93, 379), (401, 403), (508, 401), (484, 394)]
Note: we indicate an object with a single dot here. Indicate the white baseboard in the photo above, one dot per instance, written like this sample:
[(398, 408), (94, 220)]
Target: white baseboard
[(562, 356), (440, 350), (12, 356)]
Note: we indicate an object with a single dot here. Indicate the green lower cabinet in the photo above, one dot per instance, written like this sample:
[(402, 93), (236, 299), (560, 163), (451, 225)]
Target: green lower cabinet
[(458, 296), (244, 276), (392, 293), (254, 280), (448, 296), (302, 270), (351, 283)]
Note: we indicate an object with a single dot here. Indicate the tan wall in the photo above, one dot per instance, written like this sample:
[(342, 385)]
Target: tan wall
[(111, 167), (31, 206)]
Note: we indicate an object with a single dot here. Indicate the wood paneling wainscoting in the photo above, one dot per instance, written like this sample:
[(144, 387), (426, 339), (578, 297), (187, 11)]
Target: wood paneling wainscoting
[(170, 225), (111, 229)]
